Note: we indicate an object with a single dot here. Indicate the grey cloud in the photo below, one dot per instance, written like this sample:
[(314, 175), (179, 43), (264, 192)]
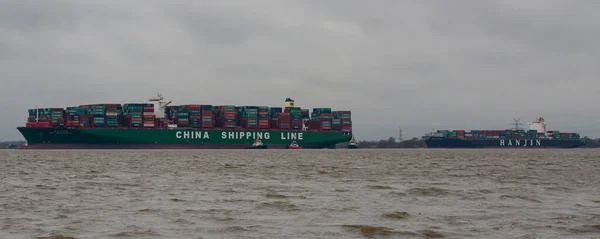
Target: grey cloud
[(38, 15), (418, 64), (559, 27), (217, 26)]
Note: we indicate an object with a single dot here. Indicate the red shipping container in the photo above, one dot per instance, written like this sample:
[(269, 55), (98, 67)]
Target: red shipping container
[(273, 123), (284, 121), (285, 126), (193, 107), (109, 105)]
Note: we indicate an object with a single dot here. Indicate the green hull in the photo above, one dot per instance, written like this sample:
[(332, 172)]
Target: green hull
[(132, 138)]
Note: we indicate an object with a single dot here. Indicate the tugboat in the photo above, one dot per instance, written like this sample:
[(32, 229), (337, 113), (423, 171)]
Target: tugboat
[(257, 145), (353, 144), (294, 145)]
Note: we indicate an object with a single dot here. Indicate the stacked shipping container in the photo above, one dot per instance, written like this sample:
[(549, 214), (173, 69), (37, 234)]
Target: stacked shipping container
[(98, 114), (323, 116), (182, 117), (76, 117), (141, 115), (133, 115), (229, 116), (504, 134), (194, 116), (346, 118), (249, 117), (114, 115), (274, 117), (295, 116), (148, 116), (207, 116), (263, 117), (336, 121)]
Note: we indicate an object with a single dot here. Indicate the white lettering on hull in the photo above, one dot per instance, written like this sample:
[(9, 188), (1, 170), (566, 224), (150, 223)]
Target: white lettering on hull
[(291, 136), (517, 142), (245, 135), (237, 135), (192, 135)]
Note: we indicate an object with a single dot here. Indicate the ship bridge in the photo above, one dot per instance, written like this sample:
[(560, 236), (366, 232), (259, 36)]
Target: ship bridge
[(539, 125)]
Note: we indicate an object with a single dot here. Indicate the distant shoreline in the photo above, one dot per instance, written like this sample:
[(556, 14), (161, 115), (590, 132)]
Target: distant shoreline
[(390, 143)]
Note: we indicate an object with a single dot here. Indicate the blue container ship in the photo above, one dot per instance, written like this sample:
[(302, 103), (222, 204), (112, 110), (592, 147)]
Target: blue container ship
[(536, 137)]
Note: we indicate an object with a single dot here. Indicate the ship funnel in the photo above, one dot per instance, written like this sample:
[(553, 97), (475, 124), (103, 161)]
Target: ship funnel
[(289, 102)]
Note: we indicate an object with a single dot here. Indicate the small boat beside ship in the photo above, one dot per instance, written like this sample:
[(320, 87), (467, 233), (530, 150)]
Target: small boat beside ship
[(353, 144), (294, 145), (258, 144)]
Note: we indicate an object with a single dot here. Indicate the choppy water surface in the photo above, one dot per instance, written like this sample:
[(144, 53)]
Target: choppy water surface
[(301, 194)]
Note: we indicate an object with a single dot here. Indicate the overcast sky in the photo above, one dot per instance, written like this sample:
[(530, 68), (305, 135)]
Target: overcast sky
[(412, 64)]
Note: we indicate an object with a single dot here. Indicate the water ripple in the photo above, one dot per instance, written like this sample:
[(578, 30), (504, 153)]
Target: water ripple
[(410, 193)]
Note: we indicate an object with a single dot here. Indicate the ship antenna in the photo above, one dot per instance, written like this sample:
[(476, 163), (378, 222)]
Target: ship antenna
[(517, 123)]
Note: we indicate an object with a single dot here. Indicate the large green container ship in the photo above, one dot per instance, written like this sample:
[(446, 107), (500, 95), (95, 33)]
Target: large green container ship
[(141, 126)]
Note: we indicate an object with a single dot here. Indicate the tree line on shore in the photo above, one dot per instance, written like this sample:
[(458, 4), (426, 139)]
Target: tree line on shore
[(10, 144)]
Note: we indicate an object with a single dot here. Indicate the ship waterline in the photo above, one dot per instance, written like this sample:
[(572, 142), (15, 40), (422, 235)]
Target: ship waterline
[(440, 142), (124, 138)]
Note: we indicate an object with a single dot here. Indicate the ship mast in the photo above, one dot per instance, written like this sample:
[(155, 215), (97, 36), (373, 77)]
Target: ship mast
[(517, 124)]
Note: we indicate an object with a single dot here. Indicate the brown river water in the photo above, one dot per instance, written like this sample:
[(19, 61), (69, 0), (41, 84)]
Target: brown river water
[(407, 193)]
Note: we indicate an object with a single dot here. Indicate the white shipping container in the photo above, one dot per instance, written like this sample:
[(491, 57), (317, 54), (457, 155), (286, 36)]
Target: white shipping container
[(148, 113), (112, 114)]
